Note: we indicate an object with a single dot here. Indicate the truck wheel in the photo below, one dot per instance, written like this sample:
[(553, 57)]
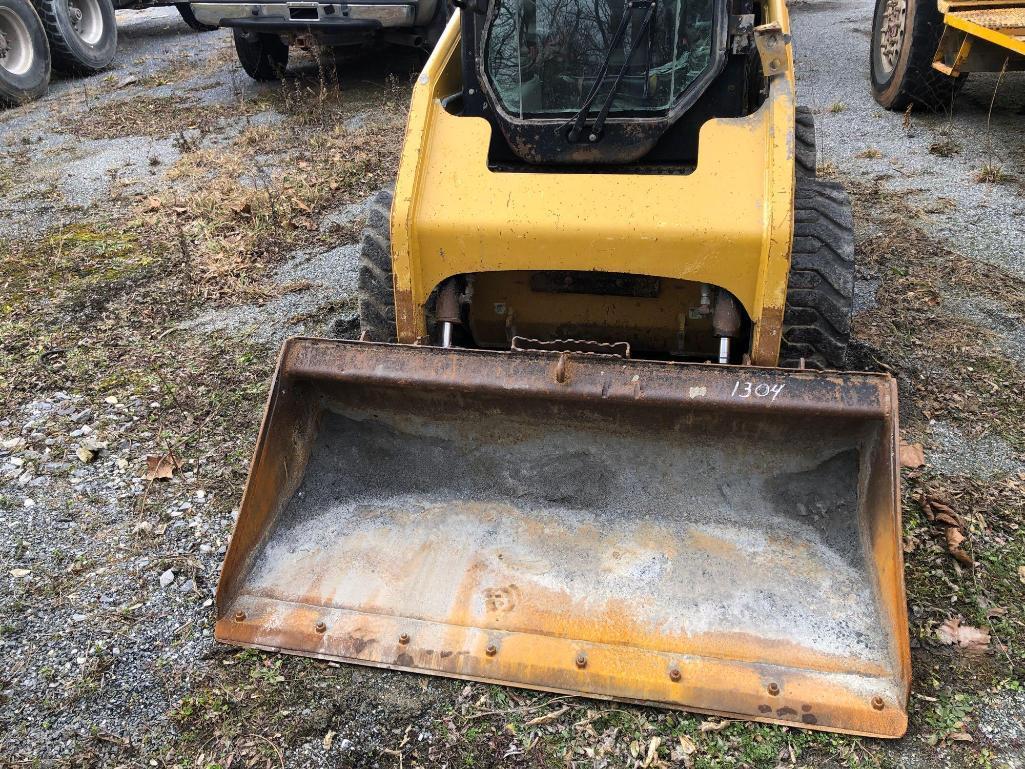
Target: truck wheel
[(189, 17), (905, 36), (376, 288), (263, 56), (820, 289), (24, 53), (804, 142), (82, 33)]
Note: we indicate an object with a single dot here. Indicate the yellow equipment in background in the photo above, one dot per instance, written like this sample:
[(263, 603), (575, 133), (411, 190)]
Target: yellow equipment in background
[(597, 461), (922, 50)]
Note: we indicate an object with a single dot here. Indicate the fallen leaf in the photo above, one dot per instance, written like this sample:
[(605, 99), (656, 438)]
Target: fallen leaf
[(328, 739), (954, 540), (912, 455), (152, 204), (19, 573), (972, 639), (1021, 574), (947, 519), (939, 512), (652, 751), (160, 468), (547, 717), (687, 745), (86, 455), (960, 737), (130, 80), (713, 726)]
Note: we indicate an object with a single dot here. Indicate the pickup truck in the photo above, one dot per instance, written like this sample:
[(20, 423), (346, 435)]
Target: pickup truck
[(264, 31)]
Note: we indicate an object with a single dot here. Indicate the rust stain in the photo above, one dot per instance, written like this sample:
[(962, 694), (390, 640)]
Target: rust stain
[(770, 330), (501, 597)]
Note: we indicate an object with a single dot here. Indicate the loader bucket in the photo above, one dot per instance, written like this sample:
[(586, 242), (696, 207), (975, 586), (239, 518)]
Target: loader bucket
[(723, 539)]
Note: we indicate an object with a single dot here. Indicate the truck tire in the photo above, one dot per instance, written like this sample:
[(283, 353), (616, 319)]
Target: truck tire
[(82, 33), (263, 56), (905, 35), (805, 157), (24, 53), (376, 287), (189, 17), (820, 288)]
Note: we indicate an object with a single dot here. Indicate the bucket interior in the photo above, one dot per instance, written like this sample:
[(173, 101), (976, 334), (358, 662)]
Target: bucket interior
[(663, 532)]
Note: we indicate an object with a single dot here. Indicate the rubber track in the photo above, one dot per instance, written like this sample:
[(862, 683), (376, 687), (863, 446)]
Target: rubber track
[(376, 286), (820, 290)]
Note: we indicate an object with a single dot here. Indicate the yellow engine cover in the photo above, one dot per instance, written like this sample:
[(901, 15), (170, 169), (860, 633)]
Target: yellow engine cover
[(728, 223)]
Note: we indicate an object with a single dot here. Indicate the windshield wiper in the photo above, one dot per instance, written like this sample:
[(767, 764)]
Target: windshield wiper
[(580, 119)]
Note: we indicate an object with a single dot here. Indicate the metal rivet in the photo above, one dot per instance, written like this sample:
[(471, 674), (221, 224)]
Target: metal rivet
[(581, 660), (320, 627), (491, 651), (773, 689), (675, 674), (877, 703), (240, 616), (404, 638)]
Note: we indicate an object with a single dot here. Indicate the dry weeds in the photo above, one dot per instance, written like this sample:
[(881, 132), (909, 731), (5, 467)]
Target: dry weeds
[(238, 209), (154, 116)]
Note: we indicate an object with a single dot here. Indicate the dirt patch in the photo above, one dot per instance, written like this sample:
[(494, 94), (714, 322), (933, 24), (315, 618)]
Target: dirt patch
[(953, 368)]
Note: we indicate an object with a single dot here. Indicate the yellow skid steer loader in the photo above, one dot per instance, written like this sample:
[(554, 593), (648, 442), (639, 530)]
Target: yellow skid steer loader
[(595, 438)]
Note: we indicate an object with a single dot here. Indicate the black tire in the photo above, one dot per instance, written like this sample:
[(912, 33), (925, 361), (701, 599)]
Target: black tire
[(805, 157), (24, 54), (263, 56), (189, 17), (820, 289), (907, 78), (376, 287), (82, 33)]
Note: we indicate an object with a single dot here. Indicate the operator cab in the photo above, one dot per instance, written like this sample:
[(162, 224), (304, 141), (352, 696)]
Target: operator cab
[(605, 81)]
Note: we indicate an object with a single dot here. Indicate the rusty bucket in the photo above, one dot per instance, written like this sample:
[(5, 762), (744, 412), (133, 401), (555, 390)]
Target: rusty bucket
[(723, 539)]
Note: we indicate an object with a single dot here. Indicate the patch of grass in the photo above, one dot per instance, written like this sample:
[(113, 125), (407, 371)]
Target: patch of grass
[(869, 153), (945, 148), (948, 716), (987, 593), (991, 173), (837, 107), (951, 365), (248, 205), (154, 116)]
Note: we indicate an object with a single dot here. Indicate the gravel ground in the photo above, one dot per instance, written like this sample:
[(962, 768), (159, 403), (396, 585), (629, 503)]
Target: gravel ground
[(107, 574), (982, 221)]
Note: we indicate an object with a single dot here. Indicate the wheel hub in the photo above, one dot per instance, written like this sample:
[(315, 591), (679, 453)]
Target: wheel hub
[(16, 51), (75, 14), (86, 19), (891, 37)]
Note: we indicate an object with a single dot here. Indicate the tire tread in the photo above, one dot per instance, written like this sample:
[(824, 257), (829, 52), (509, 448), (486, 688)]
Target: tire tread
[(820, 289), (375, 282)]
